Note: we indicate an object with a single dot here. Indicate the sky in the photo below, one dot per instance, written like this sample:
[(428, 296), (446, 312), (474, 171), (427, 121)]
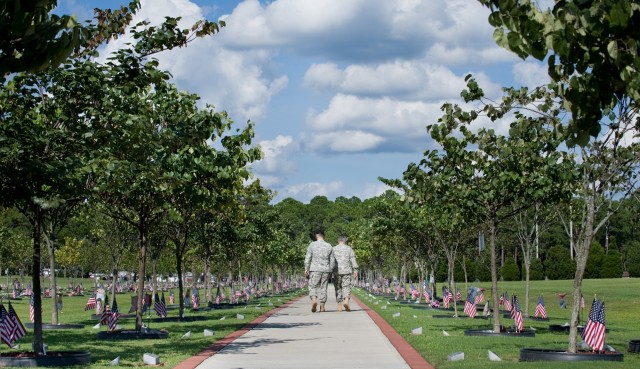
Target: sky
[(340, 91)]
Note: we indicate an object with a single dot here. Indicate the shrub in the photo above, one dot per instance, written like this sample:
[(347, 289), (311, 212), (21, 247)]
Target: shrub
[(611, 265), (535, 271), (558, 264), (510, 271), (594, 261)]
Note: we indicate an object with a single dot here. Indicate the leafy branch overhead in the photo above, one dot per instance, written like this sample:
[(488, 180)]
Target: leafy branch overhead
[(591, 49)]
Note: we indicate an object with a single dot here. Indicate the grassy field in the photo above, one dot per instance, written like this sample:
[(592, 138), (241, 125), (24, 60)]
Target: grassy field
[(622, 301), (171, 351)]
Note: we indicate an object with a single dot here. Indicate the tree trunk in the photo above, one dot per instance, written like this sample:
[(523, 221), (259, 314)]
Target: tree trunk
[(581, 262), (494, 276), (207, 279), (52, 275), (180, 283), (142, 234), (35, 278), (527, 271)]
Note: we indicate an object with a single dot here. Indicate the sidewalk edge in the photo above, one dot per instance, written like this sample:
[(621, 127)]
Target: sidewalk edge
[(408, 353), (193, 361)]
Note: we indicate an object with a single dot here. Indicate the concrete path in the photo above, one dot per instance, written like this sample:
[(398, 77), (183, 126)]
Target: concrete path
[(294, 337)]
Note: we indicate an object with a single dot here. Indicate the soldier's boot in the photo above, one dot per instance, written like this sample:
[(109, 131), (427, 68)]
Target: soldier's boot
[(322, 307), (339, 306), (314, 304), (345, 304)]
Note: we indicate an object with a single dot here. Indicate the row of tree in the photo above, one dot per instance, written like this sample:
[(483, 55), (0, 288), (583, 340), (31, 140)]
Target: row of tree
[(114, 143), (117, 140)]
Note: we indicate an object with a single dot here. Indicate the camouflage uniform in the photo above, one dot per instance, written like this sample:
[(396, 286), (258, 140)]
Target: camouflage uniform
[(319, 261), (343, 273)]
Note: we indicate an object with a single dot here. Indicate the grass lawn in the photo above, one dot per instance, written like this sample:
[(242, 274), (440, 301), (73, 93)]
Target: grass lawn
[(171, 351), (622, 301)]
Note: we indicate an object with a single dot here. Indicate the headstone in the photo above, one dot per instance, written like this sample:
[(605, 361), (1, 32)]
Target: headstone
[(395, 315), (150, 359), (456, 356), (240, 316), (208, 333), (115, 362), (187, 335), (445, 333), (493, 356), (384, 307), (416, 331)]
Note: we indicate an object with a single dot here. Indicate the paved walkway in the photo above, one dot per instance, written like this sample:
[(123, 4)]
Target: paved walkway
[(293, 337)]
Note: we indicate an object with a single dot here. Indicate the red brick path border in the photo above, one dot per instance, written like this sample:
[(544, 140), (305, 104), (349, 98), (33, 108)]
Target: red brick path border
[(196, 360), (408, 353)]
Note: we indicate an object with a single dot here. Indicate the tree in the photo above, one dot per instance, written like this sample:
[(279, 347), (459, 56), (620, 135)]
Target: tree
[(484, 173), (32, 39), (591, 50)]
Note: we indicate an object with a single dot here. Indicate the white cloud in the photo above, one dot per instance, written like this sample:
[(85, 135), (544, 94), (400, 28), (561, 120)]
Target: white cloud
[(531, 74), (242, 83), (358, 29), (374, 189), (279, 160), (409, 79), (306, 191), (345, 141), (370, 124)]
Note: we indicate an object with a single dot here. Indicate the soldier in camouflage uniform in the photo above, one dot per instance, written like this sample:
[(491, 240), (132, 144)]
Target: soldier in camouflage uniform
[(346, 265), (318, 264)]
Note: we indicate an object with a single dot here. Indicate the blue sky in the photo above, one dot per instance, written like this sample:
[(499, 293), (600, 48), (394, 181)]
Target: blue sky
[(341, 91)]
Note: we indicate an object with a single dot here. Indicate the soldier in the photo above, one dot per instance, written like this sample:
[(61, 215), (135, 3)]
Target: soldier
[(346, 264), (318, 264)]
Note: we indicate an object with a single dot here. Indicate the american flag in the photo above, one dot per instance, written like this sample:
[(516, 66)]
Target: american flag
[(163, 302), (6, 326), (114, 315), (540, 309), (470, 307), (507, 302), (91, 303), (501, 300), (427, 298), (32, 312), (581, 302), (159, 307), (171, 298), (594, 333), (458, 295), (447, 297), (516, 314), (479, 298), (104, 319), (18, 329)]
